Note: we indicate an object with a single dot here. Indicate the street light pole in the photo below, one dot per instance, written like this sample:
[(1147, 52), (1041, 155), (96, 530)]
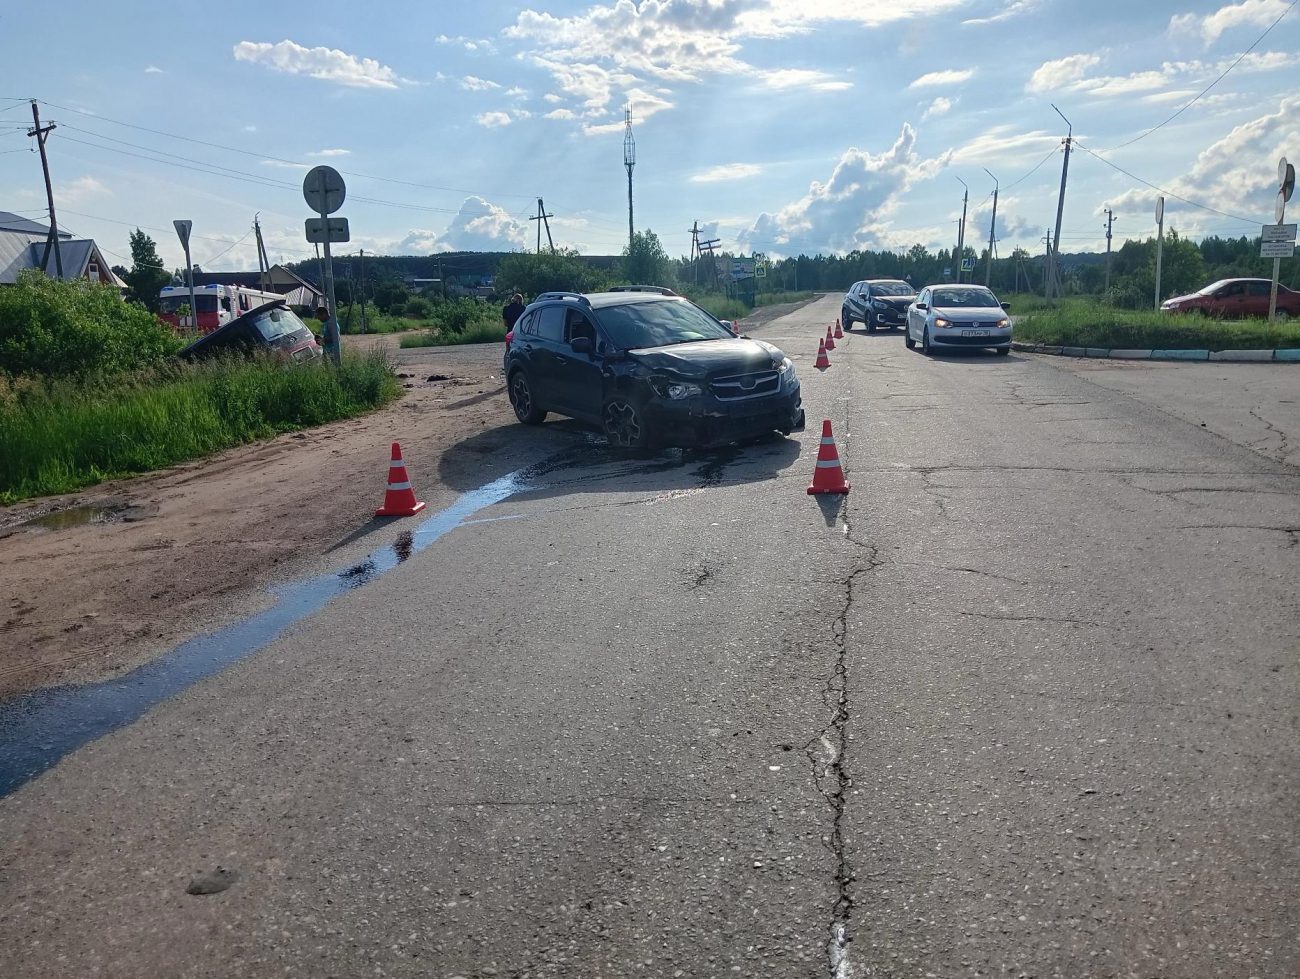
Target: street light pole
[(961, 229), (1055, 278), (993, 222)]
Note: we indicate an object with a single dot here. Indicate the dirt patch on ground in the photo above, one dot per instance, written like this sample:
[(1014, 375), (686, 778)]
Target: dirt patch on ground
[(99, 581)]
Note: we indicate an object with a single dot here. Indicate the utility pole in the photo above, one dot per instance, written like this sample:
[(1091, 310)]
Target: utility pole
[(541, 219), (993, 222), (1047, 266), (42, 133), (1055, 279), (262, 264), (629, 161), (1110, 223), (695, 250), (961, 231), (361, 261)]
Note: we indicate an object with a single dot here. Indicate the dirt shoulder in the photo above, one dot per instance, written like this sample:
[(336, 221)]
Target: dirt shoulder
[(99, 581)]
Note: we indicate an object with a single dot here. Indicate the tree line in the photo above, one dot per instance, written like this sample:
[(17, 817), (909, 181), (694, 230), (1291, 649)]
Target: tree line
[(1186, 266)]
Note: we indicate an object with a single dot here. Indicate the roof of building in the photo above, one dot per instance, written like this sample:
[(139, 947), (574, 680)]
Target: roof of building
[(16, 222)]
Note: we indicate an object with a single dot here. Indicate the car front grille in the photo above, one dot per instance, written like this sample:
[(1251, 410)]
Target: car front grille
[(741, 387)]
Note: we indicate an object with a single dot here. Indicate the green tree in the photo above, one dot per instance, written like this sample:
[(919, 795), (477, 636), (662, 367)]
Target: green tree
[(644, 260), (532, 275), (147, 275)]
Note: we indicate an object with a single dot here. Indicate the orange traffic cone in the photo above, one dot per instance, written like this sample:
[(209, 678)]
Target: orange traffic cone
[(830, 339), (839, 334), (822, 360), (829, 475), (400, 499)]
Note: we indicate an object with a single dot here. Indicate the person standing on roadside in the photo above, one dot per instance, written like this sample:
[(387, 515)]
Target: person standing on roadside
[(511, 312)]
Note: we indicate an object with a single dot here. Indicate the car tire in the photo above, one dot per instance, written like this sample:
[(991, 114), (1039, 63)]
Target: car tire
[(907, 339), (845, 318), (871, 327), (623, 425), (1003, 351), (1282, 315), (925, 343), (521, 399)]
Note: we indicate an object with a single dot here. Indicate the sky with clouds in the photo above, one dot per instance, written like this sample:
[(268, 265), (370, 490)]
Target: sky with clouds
[(780, 126)]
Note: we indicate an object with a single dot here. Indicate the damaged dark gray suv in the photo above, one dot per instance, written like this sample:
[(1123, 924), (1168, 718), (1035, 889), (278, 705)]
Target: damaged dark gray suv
[(650, 369)]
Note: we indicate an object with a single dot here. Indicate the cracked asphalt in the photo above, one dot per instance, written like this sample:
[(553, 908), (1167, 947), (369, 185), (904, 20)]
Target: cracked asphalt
[(1023, 703)]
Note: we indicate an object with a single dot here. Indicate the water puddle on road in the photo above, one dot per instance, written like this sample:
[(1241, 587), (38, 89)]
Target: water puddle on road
[(39, 728)]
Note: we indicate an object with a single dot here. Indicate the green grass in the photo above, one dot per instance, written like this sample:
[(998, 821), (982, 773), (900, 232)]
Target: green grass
[(382, 323), (1084, 323), (479, 332), (56, 437)]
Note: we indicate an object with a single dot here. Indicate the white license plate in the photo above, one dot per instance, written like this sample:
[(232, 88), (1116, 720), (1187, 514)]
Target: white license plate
[(974, 333)]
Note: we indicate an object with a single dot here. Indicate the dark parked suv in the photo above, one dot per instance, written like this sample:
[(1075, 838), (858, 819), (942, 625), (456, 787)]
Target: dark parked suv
[(877, 304), (649, 369)]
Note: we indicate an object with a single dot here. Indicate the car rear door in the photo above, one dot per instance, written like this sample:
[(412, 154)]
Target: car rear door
[(543, 368), (1256, 301), (577, 376)]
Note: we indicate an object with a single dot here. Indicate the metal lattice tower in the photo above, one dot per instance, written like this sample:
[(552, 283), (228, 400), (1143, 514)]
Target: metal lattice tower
[(629, 161)]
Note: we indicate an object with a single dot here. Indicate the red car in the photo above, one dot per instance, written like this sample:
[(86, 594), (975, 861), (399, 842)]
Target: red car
[(1234, 299)]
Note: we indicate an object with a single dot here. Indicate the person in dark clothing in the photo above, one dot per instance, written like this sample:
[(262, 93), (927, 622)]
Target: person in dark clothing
[(511, 312)]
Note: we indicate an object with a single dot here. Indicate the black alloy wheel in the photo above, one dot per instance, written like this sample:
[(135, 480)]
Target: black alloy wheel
[(521, 399), (623, 425)]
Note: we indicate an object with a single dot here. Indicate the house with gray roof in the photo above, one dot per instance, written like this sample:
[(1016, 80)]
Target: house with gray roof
[(22, 246)]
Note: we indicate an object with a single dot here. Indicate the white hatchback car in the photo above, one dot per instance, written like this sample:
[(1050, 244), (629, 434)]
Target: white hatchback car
[(957, 316)]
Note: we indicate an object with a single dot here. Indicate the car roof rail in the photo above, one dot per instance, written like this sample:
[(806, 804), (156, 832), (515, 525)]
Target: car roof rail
[(661, 290), (564, 295)]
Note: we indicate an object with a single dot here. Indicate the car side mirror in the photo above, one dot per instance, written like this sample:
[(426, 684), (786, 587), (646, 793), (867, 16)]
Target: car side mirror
[(582, 345), (1006, 307), (922, 306)]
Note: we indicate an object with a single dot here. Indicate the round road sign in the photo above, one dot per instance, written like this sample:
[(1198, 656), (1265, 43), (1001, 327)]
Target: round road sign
[(1286, 178), (324, 190), (1279, 210), (1160, 209)]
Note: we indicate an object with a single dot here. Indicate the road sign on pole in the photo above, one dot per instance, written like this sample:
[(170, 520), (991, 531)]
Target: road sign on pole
[(1277, 232), (1160, 243), (325, 230), (183, 228), (324, 191), (1285, 185)]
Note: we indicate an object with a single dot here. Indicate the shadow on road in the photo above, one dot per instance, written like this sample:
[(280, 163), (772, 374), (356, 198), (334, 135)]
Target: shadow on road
[(564, 457)]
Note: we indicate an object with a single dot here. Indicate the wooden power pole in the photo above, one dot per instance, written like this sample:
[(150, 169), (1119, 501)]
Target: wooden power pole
[(42, 133)]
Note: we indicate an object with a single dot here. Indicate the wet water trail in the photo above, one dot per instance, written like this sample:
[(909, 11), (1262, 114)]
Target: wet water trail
[(39, 728)]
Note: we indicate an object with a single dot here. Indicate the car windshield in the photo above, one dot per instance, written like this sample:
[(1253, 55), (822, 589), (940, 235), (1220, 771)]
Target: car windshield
[(969, 298), (277, 322), (892, 289), (637, 326)]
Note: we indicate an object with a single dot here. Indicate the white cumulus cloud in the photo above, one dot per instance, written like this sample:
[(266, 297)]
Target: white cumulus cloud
[(493, 120), (852, 209), (948, 76), (1060, 72), (728, 171), (1248, 13), (939, 107), (327, 64), (481, 226)]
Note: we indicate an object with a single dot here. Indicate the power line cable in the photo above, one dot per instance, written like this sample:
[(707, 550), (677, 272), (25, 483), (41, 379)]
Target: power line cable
[(236, 149), (1207, 88), (1050, 153), (1167, 193)]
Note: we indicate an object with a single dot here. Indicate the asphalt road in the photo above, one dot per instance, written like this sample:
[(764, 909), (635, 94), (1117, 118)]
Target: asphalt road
[(1024, 703)]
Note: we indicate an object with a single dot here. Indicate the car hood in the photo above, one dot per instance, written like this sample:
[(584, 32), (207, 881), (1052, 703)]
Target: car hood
[(898, 302), (709, 357), (1183, 299), (966, 314)]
